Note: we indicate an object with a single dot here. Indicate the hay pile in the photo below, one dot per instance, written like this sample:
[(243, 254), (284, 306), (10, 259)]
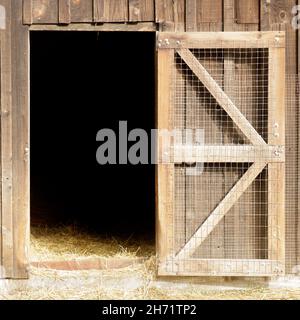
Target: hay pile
[(70, 242)]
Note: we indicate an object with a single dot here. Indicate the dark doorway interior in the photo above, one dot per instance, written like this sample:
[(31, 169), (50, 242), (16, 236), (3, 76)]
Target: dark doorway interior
[(82, 82)]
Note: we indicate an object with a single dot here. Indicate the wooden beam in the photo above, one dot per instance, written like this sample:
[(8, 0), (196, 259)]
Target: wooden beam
[(221, 97), (228, 154), (88, 263), (164, 172), (202, 40), (218, 214), (228, 267), (140, 26), (276, 172), (7, 227), (20, 142), (277, 15)]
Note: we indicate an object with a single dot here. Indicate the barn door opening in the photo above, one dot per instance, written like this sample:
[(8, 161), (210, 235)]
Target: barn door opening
[(82, 82), (221, 190)]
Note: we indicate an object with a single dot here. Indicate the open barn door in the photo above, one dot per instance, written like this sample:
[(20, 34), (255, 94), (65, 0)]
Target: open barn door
[(221, 179)]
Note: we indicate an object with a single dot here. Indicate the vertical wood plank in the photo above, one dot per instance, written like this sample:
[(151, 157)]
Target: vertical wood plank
[(170, 14), (204, 15), (110, 10), (164, 14), (276, 172), (179, 15), (276, 15), (141, 10), (6, 145), (64, 12), (165, 172), (247, 11), (191, 15), (230, 22), (27, 12), (20, 141), (82, 11), (45, 11)]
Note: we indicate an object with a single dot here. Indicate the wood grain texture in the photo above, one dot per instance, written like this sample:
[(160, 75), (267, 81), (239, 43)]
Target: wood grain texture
[(204, 15), (45, 11), (165, 172), (27, 12), (7, 227), (239, 267), (164, 14), (141, 10), (276, 15), (247, 11), (110, 10), (228, 154), (106, 26), (64, 11), (193, 40), (82, 11), (20, 142), (89, 264), (179, 15), (276, 172)]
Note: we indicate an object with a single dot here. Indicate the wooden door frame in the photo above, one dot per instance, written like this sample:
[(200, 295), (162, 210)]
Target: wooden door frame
[(15, 142)]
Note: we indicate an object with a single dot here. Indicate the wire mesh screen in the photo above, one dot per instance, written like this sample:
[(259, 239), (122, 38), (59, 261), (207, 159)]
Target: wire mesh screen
[(292, 174), (225, 199), (242, 74)]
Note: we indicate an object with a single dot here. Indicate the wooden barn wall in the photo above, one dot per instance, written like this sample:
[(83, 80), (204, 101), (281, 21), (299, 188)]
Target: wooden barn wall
[(199, 15)]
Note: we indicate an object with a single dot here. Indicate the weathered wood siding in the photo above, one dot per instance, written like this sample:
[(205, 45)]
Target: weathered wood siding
[(169, 15), (14, 222)]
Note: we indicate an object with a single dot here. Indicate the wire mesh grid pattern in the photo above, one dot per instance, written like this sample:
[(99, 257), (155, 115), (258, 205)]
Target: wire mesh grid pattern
[(242, 74), (225, 201), (292, 174)]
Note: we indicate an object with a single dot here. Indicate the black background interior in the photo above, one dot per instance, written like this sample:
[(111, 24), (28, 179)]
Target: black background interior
[(82, 82)]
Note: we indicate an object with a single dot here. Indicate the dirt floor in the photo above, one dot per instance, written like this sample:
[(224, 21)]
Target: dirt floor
[(137, 281)]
